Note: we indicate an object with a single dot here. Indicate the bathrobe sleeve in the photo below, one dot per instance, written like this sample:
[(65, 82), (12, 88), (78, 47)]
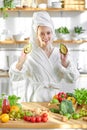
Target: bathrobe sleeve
[(70, 74), (16, 75)]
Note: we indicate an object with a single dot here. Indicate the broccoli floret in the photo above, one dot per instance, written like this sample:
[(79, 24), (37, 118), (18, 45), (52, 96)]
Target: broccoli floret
[(65, 107)]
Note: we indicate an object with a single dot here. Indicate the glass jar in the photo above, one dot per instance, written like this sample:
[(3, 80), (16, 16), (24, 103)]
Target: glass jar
[(5, 105)]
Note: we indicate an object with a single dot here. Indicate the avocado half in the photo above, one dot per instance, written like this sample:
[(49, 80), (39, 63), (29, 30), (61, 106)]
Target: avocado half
[(63, 49), (27, 48)]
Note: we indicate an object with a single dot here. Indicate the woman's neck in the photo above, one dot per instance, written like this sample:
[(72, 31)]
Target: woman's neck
[(48, 50)]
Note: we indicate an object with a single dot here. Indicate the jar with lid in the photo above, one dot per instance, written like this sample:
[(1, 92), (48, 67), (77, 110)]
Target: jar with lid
[(5, 105)]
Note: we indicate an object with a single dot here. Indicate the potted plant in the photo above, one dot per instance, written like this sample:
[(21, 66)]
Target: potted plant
[(77, 32), (7, 4), (62, 33)]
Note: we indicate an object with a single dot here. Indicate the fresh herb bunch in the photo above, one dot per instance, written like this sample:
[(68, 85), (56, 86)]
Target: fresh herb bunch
[(81, 96), (8, 3), (78, 30), (63, 30)]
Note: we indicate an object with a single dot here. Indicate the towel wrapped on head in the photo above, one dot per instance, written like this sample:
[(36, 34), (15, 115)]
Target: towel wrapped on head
[(41, 18)]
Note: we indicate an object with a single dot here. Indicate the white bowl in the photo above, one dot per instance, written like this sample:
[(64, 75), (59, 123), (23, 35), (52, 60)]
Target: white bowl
[(56, 4), (43, 6), (18, 37)]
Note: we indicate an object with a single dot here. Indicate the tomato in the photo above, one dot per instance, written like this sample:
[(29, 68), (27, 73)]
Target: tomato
[(38, 119), (44, 119), (33, 119), (44, 114), (27, 118)]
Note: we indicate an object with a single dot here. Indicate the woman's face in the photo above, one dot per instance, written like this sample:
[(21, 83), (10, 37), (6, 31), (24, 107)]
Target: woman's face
[(45, 36)]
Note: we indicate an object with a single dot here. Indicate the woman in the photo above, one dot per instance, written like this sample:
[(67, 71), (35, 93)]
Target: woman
[(44, 67)]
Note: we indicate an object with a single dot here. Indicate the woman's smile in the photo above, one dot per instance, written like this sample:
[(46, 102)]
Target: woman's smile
[(44, 35)]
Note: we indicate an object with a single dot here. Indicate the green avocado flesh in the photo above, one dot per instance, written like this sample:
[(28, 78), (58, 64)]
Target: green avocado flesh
[(63, 49), (27, 48)]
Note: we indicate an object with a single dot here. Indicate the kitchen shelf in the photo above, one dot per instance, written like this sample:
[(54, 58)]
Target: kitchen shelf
[(55, 42), (70, 41), (4, 74), (14, 42), (45, 9)]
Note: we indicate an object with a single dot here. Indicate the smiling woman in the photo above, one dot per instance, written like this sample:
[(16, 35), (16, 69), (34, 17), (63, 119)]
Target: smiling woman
[(45, 66)]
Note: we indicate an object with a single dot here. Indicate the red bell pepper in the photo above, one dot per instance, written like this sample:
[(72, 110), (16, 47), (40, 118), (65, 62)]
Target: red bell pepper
[(61, 96)]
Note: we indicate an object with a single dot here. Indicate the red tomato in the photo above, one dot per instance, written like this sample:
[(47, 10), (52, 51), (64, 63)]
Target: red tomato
[(33, 119), (27, 118), (38, 119), (45, 115), (44, 119)]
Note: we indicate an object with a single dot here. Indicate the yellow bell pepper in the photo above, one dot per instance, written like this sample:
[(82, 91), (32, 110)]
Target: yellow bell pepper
[(72, 99)]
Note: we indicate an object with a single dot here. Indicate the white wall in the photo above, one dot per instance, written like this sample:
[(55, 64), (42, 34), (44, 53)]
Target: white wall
[(21, 22)]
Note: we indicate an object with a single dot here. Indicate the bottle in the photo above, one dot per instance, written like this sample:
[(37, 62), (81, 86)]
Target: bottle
[(5, 105)]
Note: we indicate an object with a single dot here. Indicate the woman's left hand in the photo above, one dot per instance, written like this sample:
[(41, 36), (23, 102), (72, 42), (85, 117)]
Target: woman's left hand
[(64, 60)]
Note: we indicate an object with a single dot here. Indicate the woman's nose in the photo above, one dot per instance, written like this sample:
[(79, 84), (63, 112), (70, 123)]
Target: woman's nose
[(45, 35)]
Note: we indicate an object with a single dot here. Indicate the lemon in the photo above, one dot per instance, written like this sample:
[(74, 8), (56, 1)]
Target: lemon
[(4, 118)]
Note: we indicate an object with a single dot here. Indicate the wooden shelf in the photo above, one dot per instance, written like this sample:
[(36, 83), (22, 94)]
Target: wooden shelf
[(55, 42), (45, 9), (70, 41), (14, 42), (4, 74)]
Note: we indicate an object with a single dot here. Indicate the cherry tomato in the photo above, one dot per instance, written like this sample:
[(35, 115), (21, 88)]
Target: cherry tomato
[(38, 119), (33, 119), (45, 115), (44, 119), (25, 118)]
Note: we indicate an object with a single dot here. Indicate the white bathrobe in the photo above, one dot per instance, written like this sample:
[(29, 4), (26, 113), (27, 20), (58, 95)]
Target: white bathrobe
[(43, 75)]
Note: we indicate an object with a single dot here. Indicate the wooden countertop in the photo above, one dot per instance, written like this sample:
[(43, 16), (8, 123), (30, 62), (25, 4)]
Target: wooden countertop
[(53, 121)]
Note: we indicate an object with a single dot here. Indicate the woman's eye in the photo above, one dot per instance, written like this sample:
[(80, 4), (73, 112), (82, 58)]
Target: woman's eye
[(48, 33)]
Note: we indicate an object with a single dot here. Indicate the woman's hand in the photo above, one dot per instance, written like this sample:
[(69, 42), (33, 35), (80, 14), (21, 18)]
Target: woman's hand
[(64, 60), (21, 61)]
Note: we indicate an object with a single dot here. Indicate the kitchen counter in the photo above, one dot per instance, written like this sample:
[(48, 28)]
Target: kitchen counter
[(53, 122)]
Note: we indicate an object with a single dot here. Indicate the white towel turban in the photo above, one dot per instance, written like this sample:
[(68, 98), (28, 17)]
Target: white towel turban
[(41, 18)]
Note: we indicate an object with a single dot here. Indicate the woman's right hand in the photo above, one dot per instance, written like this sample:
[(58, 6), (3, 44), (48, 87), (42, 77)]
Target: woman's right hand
[(21, 61)]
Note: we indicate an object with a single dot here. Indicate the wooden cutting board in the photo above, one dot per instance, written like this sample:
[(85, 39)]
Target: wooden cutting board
[(53, 122)]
